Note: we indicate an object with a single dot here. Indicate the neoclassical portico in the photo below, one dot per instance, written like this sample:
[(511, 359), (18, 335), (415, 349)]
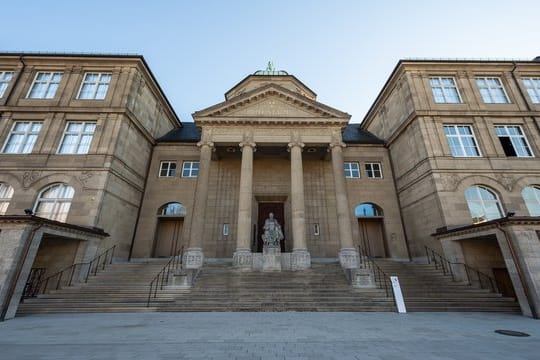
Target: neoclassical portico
[(265, 112)]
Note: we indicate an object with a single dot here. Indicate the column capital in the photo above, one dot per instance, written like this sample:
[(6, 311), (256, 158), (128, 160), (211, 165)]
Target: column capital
[(295, 144), (249, 144), (333, 144), (210, 144)]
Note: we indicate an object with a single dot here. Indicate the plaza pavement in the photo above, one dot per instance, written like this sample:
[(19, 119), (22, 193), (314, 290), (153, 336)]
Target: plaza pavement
[(285, 335)]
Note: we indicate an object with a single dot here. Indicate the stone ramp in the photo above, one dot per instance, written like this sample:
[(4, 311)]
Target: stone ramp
[(426, 289)]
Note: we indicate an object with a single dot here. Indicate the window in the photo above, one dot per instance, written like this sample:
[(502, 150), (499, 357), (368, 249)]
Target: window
[(172, 209), (190, 169), (513, 141), (54, 202), (316, 229), (373, 170), (461, 140), (22, 138), (94, 86), (6, 192), (533, 88), (367, 210), (167, 169), (444, 90), (225, 229), (352, 169), (531, 195), (77, 138), (492, 90), (5, 78), (483, 204), (45, 85)]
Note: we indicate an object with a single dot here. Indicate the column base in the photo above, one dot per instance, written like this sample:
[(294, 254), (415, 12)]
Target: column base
[(348, 258), (193, 258), (300, 259), (243, 259)]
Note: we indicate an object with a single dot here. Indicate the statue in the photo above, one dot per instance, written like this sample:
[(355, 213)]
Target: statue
[(272, 232), (270, 67)]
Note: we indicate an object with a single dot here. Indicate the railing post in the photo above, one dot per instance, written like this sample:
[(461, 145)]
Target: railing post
[(59, 279), (427, 255)]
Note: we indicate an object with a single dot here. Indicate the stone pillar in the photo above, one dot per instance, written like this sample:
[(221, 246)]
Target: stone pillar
[(194, 257), (348, 255), (242, 257), (300, 258)]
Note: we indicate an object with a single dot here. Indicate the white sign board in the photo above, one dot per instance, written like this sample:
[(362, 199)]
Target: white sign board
[(398, 296)]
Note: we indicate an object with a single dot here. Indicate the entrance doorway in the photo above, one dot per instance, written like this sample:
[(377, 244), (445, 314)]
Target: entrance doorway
[(266, 208), (371, 230), (503, 281), (168, 237)]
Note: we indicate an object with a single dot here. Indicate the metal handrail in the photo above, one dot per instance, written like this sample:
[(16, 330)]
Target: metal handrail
[(93, 266), (446, 266), (381, 278), (162, 277)]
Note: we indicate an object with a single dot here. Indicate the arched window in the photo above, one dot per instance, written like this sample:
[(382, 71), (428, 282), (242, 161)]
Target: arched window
[(483, 204), (54, 201), (531, 195), (6, 192), (367, 209), (172, 209)]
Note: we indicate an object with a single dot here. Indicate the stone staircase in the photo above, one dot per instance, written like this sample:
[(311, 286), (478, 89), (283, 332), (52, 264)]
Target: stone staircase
[(426, 289), (123, 287)]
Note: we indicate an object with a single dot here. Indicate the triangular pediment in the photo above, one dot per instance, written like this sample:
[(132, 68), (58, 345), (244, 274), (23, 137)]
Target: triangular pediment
[(270, 101)]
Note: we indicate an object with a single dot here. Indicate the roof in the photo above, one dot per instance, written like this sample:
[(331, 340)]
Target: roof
[(508, 220), (40, 220), (353, 134), (187, 133), (102, 55)]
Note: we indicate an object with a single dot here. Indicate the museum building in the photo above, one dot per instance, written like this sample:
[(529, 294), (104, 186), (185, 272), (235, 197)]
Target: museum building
[(445, 161)]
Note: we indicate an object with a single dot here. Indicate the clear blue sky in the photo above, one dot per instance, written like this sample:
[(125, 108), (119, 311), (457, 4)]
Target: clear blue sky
[(342, 50)]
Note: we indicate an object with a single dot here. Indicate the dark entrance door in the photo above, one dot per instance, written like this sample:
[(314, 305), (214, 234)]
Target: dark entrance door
[(168, 237), (504, 283), (372, 237), (264, 210)]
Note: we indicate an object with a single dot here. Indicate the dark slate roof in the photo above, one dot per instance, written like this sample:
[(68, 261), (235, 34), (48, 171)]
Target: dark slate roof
[(353, 134), (187, 133)]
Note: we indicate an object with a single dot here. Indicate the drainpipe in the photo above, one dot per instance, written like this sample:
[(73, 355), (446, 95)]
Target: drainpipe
[(18, 270), (21, 57), (523, 96), (519, 269)]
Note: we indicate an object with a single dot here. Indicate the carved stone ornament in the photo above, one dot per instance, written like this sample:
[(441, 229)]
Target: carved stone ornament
[(449, 182), (348, 258), (30, 177), (193, 258), (300, 259), (85, 177)]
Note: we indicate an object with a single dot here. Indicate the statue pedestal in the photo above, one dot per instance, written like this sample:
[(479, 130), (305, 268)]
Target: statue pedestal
[(271, 259)]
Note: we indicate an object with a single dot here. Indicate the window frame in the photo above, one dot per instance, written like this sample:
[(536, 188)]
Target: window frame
[(348, 172), (459, 136), (168, 169), (95, 84), (26, 134), (522, 136), (489, 88), (56, 201), (536, 193), (48, 82), (373, 171), (444, 89), (191, 170), (79, 134), (482, 202), (6, 194), (536, 89), (5, 81)]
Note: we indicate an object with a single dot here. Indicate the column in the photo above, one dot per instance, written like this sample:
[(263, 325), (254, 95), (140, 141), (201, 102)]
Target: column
[(194, 257), (348, 255), (300, 257), (242, 257)]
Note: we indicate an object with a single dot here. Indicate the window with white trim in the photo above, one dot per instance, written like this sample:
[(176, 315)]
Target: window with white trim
[(352, 170), (531, 195), (22, 137), (461, 140), (533, 88), (513, 141), (373, 170), (492, 90), (5, 78), (444, 90), (94, 86), (190, 169), (6, 193), (167, 169), (483, 204), (77, 138), (45, 85), (54, 202)]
